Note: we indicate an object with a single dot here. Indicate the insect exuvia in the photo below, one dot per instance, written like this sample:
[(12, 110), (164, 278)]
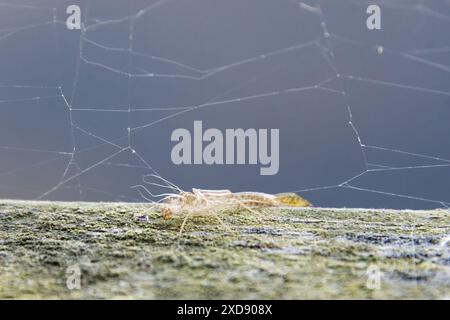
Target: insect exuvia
[(209, 202)]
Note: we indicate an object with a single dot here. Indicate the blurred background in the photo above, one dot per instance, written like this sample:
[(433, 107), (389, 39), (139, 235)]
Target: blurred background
[(363, 114)]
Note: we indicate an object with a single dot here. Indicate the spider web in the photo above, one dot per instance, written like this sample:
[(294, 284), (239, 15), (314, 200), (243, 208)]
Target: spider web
[(89, 118)]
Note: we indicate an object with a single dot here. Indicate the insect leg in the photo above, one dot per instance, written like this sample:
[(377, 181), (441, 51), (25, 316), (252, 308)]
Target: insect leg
[(184, 223), (221, 221)]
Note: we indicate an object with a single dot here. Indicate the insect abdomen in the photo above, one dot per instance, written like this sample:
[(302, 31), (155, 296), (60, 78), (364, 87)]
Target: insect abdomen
[(291, 200)]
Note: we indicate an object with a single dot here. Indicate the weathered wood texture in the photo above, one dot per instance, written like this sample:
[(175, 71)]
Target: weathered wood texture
[(279, 254)]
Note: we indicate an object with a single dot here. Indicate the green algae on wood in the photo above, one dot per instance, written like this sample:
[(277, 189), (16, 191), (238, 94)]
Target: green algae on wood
[(279, 254)]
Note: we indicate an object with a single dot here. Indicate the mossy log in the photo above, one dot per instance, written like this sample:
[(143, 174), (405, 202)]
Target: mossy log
[(305, 253)]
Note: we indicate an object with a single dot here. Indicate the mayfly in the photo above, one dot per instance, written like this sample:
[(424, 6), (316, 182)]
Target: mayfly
[(201, 202)]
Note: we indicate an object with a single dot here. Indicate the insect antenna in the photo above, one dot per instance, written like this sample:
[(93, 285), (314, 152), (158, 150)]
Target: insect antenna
[(140, 188), (168, 184)]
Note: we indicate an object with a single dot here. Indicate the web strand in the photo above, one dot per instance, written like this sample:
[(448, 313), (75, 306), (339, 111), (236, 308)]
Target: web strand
[(323, 44)]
